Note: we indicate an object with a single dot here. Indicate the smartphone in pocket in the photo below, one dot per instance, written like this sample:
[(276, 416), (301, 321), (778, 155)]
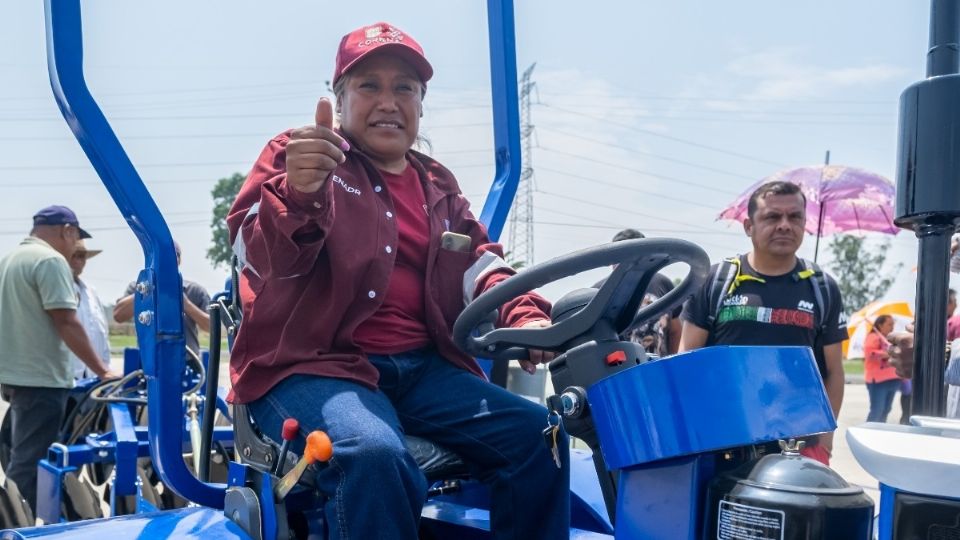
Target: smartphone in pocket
[(455, 242)]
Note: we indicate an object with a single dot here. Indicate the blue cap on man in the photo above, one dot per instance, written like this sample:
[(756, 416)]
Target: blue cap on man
[(59, 215)]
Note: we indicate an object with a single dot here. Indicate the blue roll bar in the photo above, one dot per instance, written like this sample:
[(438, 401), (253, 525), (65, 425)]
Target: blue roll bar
[(506, 116), (158, 300)]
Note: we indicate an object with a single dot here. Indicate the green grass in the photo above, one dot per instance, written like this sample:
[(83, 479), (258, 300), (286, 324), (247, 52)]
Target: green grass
[(853, 366), (120, 342)]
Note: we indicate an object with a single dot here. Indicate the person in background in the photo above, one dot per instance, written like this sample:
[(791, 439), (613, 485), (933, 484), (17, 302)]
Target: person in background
[(901, 356), (881, 378), (195, 302), (953, 321), (662, 336), (90, 312), (772, 297), (38, 314)]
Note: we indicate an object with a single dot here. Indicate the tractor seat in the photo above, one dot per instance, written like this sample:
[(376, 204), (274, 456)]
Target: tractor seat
[(261, 452)]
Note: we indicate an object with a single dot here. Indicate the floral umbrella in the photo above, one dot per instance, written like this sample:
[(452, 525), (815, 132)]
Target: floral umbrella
[(839, 199)]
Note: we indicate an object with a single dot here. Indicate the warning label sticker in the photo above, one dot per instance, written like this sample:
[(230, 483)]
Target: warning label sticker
[(742, 522)]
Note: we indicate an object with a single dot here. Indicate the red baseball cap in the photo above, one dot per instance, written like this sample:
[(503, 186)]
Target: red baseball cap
[(380, 36)]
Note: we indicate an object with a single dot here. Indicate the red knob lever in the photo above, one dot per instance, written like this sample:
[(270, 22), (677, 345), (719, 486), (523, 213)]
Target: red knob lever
[(290, 429)]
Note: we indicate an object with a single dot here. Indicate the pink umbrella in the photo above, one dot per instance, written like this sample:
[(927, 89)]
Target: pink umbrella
[(839, 199)]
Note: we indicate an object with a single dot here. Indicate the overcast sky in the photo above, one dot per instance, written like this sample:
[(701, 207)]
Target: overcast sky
[(652, 115)]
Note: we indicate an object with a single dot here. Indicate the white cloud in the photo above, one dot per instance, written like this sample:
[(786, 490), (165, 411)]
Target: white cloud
[(777, 75)]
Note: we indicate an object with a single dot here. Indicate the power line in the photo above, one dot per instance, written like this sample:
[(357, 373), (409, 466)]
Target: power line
[(726, 99), (580, 217), (759, 112), (119, 216), (645, 229), (631, 211), (189, 223), (96, 182), (582, 137), (638, 171), (138, 165), (630, 188), (667, 137), (758, 121)]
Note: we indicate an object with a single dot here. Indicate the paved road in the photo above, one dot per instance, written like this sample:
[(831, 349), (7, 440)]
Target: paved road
[(854, 412)]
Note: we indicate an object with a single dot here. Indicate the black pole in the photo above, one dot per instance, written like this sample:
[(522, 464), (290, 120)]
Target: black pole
[(210, 392), (929, 393), (816, 246), (929, 396), (943, 57), (928, 195)]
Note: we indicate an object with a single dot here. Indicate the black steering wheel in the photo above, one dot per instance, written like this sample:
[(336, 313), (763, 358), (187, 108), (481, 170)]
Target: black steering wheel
[(617, 302)]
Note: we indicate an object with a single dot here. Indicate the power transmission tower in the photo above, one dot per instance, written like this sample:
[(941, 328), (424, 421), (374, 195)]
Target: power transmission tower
[(521, 213)]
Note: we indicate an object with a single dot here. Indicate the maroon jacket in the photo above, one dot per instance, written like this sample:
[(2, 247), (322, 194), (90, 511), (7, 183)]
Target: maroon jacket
[(317, 264)]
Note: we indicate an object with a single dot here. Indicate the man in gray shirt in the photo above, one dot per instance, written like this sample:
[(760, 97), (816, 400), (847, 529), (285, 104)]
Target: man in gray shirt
[(38, 313), (195, 302)]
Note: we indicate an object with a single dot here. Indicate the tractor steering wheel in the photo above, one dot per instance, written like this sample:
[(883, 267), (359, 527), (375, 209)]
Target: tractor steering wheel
[(617, 301)]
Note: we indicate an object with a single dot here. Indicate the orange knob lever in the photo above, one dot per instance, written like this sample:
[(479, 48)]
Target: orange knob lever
[(319, 448)]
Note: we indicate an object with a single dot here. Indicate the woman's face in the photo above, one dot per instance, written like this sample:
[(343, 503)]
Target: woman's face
[(886, 326), (380, 108)]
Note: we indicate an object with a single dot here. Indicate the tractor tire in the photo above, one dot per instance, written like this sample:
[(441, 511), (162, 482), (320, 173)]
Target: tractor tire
[(80, 500), (14, 510)]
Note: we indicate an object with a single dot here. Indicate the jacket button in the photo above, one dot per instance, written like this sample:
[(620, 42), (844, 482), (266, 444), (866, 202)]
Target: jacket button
[(317, 205), (388, 249), (378, 189), (372, 294), (389, 214)]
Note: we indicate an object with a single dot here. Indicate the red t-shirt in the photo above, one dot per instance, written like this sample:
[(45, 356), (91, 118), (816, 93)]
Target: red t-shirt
[(399, 325)]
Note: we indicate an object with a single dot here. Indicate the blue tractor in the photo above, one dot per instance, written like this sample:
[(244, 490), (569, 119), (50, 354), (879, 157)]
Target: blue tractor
[(678, 447)]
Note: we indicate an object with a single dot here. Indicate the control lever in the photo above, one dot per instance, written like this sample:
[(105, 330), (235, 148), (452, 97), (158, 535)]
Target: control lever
[(289, 432), (319, 448)]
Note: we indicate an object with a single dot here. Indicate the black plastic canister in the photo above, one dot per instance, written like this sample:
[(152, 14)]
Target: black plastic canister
[(786, 497)]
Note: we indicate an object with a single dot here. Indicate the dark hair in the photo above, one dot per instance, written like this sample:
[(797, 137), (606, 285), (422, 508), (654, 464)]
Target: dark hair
[(880, 320), (628, 234), (777, 187)]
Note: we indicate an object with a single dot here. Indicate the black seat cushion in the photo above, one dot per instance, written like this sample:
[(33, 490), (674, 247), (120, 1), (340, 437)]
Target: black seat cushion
[(260, 451), (436, 462)]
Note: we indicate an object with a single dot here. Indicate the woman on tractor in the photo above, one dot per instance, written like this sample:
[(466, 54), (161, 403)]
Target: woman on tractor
[(349, 299)]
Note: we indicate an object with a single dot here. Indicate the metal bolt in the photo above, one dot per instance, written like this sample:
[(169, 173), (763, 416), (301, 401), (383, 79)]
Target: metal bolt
[(246, 451), (102, 453), (143, 287), (145, 317), (791, 447), (268, 458)]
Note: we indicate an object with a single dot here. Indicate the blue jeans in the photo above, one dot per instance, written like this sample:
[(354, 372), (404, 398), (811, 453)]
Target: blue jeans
[(881, 399), (374, 487)]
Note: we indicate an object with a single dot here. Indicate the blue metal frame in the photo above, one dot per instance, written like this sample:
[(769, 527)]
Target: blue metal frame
[(708, 399), (660, 422), (160, 329), (183, 524), (506, 116)]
